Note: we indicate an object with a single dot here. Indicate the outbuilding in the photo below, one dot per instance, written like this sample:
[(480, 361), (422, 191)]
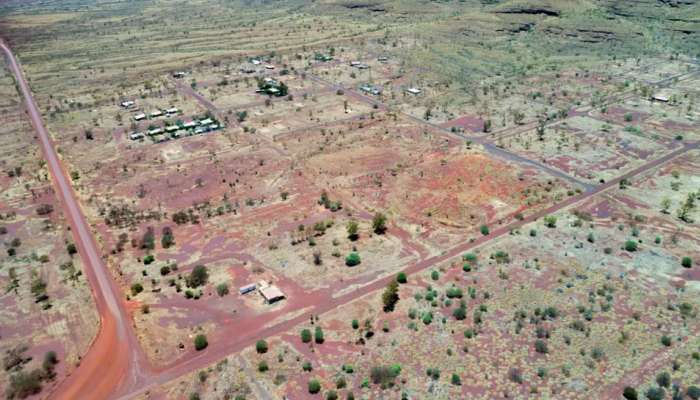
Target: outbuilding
[(414, 91), (247, 288), (270, 293), (140, 117)]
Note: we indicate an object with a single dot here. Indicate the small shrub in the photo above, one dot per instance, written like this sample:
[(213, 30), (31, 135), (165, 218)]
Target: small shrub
[(630, 393), (262, 366), (261, 347), (314, 386), (541, 346), (352, 259), (631, 245), (318, 335), (666, 341), (200, 342), (693, 392), (484, 230), (401, 278), (305, 336), (655, 393), (222, 289), (687, 262)]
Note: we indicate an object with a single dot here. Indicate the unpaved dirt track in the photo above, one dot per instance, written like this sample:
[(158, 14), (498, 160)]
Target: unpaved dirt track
[(114, 356), (115, 365)]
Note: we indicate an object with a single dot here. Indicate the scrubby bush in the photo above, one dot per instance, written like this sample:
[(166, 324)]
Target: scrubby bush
[(222, 289), (198, 276), (401, 277), (352, 259), (484, 230), (200, 342), (305, 335), (262, 366), (318, 335), (541, 346), (261, 347), (314, 386), (687, 262), (630, 393)]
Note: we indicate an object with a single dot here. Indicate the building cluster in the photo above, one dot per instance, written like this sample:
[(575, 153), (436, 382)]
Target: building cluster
[(189, 128)]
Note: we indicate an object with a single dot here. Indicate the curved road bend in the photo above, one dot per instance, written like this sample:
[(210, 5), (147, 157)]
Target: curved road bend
[(114, 358)]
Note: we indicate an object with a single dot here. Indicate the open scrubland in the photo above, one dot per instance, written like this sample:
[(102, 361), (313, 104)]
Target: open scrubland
[(48, 318), (483, 200)]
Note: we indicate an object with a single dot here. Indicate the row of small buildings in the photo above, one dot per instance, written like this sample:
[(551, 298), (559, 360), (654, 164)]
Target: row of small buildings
[(189, 128), (157, 113)]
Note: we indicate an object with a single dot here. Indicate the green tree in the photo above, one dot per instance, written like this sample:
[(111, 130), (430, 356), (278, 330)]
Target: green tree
[(200, 342), (655, 393), (262, 366), (352, 229), (222, 289), (314, 386), (693, 392), (484, 230), (261, 347), (352, 259), (305, 336), (631, 245), (550, 221), (687, 262), (136, 288), (318, 335), (167, 238), (456, 380), (198, 276), (379, 223), (630, 393), (390, 296), (401, 277)]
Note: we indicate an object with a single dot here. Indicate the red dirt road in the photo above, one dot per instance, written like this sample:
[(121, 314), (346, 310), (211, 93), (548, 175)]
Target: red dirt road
[(114, 356)]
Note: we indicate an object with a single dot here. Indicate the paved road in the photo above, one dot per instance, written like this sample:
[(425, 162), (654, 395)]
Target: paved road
[(115, 354)]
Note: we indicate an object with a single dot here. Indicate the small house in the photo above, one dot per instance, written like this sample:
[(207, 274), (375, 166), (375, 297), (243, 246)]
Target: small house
[(354, 63), (172, 128), (662, 98), (270, 293), (268, 66), (127, 104), (178, 74), (136, 136), (382, 59), (155, 131), (156, 113), (255, 61), (140, 117), (171, 110), (247, 288), (189, 124), (207, 121), (198, 131)]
